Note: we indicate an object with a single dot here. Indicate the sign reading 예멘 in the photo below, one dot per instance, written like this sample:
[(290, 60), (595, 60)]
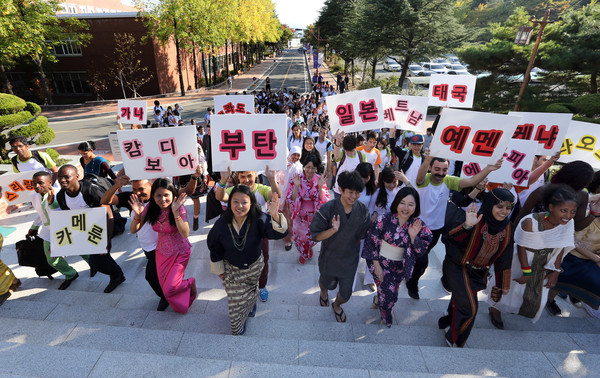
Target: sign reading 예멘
[(456, 91), (17, 187), (355, 111), (132, 111), (76, 232), (405, 112), (235, 104), (581, 143), (248, 142), (152, 153), (548, 129), (472, 136)]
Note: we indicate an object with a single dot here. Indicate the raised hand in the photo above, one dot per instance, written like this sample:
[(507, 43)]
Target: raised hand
[(226, 175), (335, 223), (322, 180), (123, 180), (426, 154), (507, 185), (494, 167), (339, 137), (178, 202), (50, 195), (472, 218), (414, 229), (137, 206), (269, 173), (296, 180), (273, 206), (198, 172), (554, 158)]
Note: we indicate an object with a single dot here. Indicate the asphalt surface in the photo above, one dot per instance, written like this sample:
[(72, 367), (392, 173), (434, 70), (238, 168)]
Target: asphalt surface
[(289, 72)]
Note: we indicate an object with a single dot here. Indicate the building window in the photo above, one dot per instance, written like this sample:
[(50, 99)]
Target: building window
[(69, 83), (69, 46)]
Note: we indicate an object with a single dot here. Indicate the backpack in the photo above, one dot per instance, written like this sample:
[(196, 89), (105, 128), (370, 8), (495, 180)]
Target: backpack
[(92, 188), (34, 154), (361, 158)]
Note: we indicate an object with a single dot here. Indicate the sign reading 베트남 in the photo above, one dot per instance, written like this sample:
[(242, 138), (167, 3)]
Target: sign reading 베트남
[(77, 232), (356, 111), (153, 153), (234, 104), (405, 112), (472, 136), (456, 91), (132, 111), (249, 142)]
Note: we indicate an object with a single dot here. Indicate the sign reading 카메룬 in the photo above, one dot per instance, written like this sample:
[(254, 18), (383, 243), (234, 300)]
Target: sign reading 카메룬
[(472, 136), (456, 91), (132, 111), (356, 111), (405, 112), (582, 142), (548, 129), (152, 153), (76, 232), (236, 104), (248, 142), (17, 188)]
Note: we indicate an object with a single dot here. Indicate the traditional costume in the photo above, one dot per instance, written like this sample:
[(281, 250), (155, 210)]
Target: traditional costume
[(8, 281)]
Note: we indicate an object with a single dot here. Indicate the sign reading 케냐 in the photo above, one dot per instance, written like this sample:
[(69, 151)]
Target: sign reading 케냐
[(472, 136), (234, 104), (152, 153), (17, 187), (548, 129), (582, 142), (356, 111), (248, 142), (76, 232), (456, 91), (405, 112), (132, 111)]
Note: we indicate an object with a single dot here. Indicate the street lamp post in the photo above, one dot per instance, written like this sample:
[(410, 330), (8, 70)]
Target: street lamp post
[(520, 37)]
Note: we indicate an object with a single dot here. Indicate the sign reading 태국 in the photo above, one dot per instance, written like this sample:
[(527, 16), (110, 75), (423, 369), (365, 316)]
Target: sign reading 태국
[(405, 112), (249, 142), (234, 104), (152, 153), (456, 91), (472, 136), (17, 187), (582, 142), (132, 111), (77, 232), (356, 111), (548, 129)]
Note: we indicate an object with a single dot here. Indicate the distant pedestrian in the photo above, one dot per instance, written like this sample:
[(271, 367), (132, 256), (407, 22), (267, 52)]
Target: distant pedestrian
[(339, 81), (346, 82), (268, 85), (229, 82)]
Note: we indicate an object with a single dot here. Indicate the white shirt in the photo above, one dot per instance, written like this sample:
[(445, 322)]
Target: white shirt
[(391, 194), (42, 220), (76, 202), (350, 164), (413, 170)]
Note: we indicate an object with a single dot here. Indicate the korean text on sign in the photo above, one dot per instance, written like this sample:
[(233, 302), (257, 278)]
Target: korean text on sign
[(150, 153), (76, 232), (456, 91), (548, 129), (582, 142), (472, 136), (518, 161), (249, 142), (405, 112), (356, 111), (236, 104), (17, 188), (132, 111)]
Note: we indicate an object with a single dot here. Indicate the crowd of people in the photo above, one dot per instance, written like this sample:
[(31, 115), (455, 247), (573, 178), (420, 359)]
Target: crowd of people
[(376, 196)]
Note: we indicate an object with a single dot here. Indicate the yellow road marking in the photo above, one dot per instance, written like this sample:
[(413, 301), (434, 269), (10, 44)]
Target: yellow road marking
[(286, 75)]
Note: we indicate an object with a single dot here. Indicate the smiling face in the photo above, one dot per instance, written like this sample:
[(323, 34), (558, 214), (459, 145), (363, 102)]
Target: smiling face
[(562, 213), (163, 197), (86, 154), (240, 205), (501, 210), (68, 178), (309, 170), (309, 144), (416, 148), (349, 196), (142, 188), (22, 150), (439, 170), (247, 178), (390, 185), (294, 157), (371, 143), (42, 184), (406, 207)]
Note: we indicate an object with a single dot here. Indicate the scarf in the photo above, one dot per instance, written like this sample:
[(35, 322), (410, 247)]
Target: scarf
[(491, 199)]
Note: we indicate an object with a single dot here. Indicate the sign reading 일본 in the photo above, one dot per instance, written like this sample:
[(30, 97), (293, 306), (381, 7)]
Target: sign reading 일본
[(17, 188), (77, 232), (581, 143), (236, 104), (548, 129), (356, 111), (248, 142), (456, 91), (152, 153), (132, 111), (472, 136), (404, 112)]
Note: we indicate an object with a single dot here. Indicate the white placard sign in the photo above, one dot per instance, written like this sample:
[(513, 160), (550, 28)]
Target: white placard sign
[(472, 136), (152, 153), (549, 129), (456, 91), (405, 112), (581, 143), (132, 111), (114, 146), (234, 104), (78, 232), (356, 111), (248, 142), (518, 161), (17, 187)]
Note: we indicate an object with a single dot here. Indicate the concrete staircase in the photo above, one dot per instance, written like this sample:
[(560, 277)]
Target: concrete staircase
[(84, 332)]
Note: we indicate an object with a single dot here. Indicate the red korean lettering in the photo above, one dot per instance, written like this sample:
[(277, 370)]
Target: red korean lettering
[(232, 142), (515, 157), (471, 169), (485, 141), (586, 143), (402, 105), (546, 137), (229, 108), (186, 161), (221, 112), (414, 118), (10, 196), (520, 175), (28, 184), (154, 165), (263, 143), (138, 113), (167, 146), (455, 137), (567, 147), (459, 92), (346, 114), (240, 108), (16, 186), (126, 113), (440, 91), (133, 148), (388, 115), (523, 131), (368, 111)]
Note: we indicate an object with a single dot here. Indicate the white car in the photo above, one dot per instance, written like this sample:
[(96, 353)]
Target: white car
[(458, 68), (415, 70), (391, 65), (435, 67)]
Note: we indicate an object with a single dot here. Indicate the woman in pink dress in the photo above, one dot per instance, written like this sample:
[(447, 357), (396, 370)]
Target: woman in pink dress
[(167, 215)]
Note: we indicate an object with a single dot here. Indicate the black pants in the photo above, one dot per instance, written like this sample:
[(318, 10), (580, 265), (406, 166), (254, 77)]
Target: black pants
[(152, 274), (106, 264), (422, 262)]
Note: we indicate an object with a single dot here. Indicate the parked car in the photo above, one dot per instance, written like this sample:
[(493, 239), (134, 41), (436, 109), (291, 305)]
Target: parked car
[(390, 64), (459, 73), (458, 68), (435, 67), (452, 58), (415, 70)]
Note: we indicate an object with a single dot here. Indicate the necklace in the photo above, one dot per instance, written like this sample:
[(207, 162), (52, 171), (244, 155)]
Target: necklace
[(546, 218), (238, 242)]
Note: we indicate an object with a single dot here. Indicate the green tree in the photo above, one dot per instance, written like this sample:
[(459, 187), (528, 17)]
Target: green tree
[(126, 67), (332, 26)]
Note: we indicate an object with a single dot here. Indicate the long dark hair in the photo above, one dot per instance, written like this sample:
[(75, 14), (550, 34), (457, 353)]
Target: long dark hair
[(577, 174), (365, 170), (153, 209), (386, 176), (255, 210), (403, 193)]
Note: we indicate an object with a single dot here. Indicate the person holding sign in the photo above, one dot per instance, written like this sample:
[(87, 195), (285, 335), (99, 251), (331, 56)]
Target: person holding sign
[(235, 250), (168, 217), (482, 241), (434, 190)]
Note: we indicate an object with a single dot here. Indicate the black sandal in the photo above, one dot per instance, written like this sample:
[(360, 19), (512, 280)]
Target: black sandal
[(496, 323), (340, 317), (323, 302)]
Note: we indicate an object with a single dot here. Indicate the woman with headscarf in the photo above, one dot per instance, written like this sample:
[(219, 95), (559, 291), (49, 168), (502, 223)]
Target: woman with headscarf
[(483, 240)]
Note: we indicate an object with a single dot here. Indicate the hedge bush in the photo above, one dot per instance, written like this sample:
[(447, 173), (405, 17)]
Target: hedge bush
[(586, 119), (53, 154), (588, 104), (46, 137), (558, 108), (33, 108), (10, 104), (11, 120), (36, 127)]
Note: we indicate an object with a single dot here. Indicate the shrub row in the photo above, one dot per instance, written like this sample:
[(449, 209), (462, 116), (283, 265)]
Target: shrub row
[(46, 137), (11, 120), (10, 104), (33, 108), (38, 126)]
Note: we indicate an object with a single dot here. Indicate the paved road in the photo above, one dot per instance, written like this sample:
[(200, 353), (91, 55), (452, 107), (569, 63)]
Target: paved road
[(289, 72)]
